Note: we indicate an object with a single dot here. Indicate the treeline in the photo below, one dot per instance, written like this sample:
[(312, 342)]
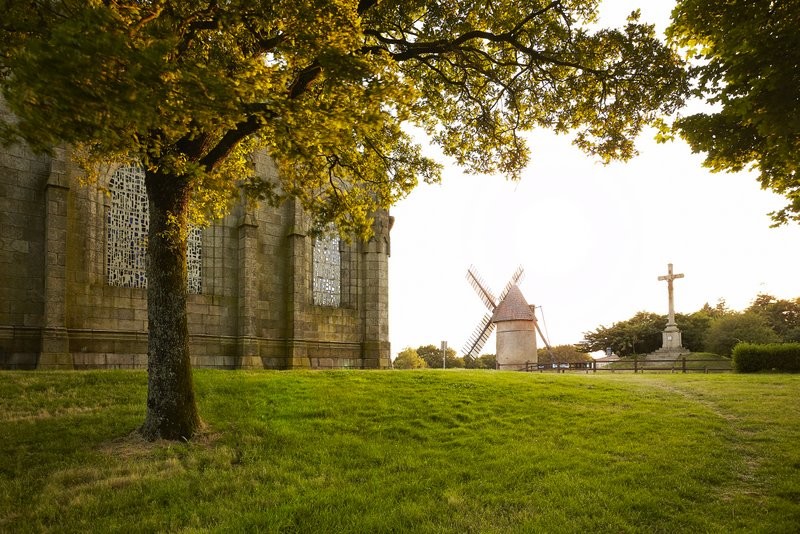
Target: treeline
[(714, 329), (430, 356)]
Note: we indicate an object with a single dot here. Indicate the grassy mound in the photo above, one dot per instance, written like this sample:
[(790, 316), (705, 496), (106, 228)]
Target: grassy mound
[(695, 361), (429, 451)]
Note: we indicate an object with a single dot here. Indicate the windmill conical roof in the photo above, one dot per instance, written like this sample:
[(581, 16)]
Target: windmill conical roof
[(514, 307)]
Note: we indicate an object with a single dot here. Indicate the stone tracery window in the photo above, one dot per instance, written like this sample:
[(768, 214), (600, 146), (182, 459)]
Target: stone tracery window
[(126, 234), (194, 259), (327, 271), (126, 229)]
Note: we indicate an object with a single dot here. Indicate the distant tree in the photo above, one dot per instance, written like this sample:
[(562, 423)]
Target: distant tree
[(693, 328), (563, 353), (781, 315), (792, 336), (408, 358), (747, 68), (718, 310), (643, 331), (638, 335), (433, 357), (726, 331), (455, 362), (484, 361)]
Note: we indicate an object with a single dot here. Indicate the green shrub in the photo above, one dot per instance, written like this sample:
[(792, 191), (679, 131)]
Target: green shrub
[(750, 358)]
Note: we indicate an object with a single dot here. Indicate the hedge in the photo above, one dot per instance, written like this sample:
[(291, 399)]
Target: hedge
[(751, 358)]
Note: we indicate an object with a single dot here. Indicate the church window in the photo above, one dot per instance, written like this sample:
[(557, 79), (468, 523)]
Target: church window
[(327, 265), (126, 234), (194, 259)]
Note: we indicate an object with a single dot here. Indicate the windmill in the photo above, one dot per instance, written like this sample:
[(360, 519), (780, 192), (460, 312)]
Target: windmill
[(515, 321), (477, 340)]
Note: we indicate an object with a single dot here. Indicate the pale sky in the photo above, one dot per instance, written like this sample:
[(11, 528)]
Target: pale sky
[(592, 239)]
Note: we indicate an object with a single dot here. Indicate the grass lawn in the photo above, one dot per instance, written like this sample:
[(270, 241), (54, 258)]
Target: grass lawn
[(397, 451)]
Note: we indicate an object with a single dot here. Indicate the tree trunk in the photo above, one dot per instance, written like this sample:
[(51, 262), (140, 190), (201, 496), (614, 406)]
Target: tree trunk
[(171, 408)]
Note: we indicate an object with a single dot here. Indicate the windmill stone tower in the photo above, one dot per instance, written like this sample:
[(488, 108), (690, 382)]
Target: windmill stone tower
[(516, 331), (514, 320)]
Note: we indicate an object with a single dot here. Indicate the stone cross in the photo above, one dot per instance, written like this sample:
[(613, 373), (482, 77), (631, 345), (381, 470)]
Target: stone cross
[(669, 277)]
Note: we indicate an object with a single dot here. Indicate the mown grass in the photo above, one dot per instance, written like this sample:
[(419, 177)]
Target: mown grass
[(424, 451)]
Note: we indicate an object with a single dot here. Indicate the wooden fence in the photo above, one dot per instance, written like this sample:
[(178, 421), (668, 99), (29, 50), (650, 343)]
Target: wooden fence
[(680, 365)]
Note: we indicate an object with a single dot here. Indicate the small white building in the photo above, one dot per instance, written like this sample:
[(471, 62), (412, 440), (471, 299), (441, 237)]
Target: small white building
[(605, 361)]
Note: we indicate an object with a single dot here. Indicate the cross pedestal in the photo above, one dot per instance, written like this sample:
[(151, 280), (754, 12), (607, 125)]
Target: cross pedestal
[(671, 339)]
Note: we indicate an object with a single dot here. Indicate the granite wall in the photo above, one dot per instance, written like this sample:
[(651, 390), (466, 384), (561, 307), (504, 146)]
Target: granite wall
[(57, 310)]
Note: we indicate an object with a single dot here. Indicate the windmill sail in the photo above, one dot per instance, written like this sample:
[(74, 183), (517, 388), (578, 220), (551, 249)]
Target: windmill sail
[(477, 340), (518, 275), (481, 288)]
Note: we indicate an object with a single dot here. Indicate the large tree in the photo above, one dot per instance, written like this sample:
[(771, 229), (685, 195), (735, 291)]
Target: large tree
[(747, 65), (187, 89)]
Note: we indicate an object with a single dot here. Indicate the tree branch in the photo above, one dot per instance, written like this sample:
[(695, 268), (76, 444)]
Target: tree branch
[(364, 5), (304, 79), (144, 20), (205, 19), (405, 50), (223, 148)]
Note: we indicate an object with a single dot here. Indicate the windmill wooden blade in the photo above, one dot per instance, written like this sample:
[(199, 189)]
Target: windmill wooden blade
[(477, 340), (481, 288), (516, 278)]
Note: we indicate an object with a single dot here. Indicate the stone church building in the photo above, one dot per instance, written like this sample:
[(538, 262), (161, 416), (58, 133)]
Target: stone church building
[(263, 292)]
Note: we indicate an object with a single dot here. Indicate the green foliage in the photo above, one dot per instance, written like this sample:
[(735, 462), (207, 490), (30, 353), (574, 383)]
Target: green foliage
[(562, 353), (693, 328), (408, 358), (638, 335), (433, 357), (355, 451), (713, 328), (792, 336), (325, 87), (782, 315), (745, 56), (189, 90), (725, 332), (484, 361), (751, 358)]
